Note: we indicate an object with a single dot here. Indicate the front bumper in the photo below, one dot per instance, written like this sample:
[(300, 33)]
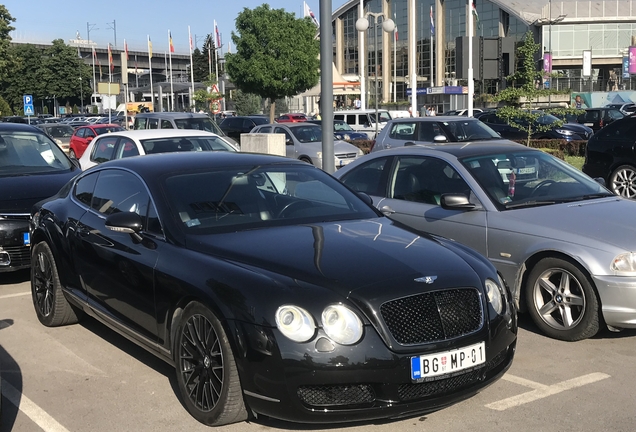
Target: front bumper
[(367, 381), (15, 251), (618, 299)]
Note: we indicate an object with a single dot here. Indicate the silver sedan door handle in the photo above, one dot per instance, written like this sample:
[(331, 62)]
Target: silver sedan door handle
[(387, 210)]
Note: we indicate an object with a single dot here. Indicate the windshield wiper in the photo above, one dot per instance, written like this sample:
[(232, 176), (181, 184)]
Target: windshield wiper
[(590, 196), (529, 204)]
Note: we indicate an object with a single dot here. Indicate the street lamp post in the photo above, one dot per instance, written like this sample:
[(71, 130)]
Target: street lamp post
[(362, 24)]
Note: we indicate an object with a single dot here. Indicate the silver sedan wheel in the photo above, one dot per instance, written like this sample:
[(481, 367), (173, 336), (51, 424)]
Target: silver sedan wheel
[(559, 299), (623, 181)]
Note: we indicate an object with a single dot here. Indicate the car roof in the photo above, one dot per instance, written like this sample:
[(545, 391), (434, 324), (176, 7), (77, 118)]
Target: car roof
[(461, 149), (452, 118), (160, 133), (172, 115), (18, 127), (151, 166)]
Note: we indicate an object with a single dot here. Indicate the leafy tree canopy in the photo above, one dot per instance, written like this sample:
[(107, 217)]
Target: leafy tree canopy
[(276, 54), (201, 66), (61, 72), (247, 103), (5, 28)]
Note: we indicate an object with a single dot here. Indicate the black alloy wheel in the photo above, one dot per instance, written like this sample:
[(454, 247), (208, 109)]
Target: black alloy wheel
[(51, 306), (206, 370)]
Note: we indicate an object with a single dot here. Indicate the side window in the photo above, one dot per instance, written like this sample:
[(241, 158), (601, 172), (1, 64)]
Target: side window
[(89, 133), (288, 137), (427, 131), (104, 149), (266, 129), (351, 119), (126, 148), (403, 131), (153, 123), (363, 119), (119, 191), (339, 117), (425, 179), (80, 132), (368, 177), (165, 124), (140, 123), (84, 188), (248, 124), (153, 225), (621, 130)]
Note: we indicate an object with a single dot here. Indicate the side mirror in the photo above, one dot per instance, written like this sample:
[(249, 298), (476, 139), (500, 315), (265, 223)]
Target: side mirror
[(125, 222), (455, 201), (90, 138), (440, 139), (289, 141), (600, 180), (365, 197)]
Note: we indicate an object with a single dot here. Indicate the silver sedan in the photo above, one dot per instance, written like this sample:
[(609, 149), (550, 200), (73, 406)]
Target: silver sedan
[(564, 243)]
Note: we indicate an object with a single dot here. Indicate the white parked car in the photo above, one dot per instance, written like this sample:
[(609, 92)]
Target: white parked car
[(118, 145)]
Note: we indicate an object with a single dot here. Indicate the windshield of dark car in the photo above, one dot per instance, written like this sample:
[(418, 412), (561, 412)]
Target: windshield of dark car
[(109, 129), (260, 120), (341, 125), (547, 119), (179, 144), (307, 133), (255, 197), (199, 124), (468, 130), (30, 153), (61, 131), (530, 178)]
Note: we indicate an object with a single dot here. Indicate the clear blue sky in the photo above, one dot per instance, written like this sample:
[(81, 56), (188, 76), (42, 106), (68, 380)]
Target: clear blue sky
[(42, 20)]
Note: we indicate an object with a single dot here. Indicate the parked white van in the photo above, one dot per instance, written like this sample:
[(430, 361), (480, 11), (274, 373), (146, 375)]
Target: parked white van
[(363, 120)]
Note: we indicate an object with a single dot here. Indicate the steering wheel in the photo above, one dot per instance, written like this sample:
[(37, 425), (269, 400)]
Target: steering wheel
[(544, 183), (294, 205)]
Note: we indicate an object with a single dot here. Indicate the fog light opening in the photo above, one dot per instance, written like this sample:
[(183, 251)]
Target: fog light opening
[(5, 259)]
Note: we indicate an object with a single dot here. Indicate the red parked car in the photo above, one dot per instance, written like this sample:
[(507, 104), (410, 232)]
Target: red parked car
[(85, 134), (291, 118)]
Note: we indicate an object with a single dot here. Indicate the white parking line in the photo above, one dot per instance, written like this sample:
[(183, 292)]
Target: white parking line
[(542, 391), (34, 412), (15, 295)]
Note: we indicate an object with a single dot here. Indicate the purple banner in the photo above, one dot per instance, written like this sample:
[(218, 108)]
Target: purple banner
[(632, 59), (547, 63)]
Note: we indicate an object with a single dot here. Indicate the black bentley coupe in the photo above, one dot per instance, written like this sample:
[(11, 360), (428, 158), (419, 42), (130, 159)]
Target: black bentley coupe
[(272, 288)]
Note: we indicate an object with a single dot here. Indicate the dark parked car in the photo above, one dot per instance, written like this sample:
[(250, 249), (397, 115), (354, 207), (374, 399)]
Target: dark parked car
[(559, 129), (611, 155), (342, 131), (272, 288), (235, 126), (32, 167), (563, 243), (596, 118)]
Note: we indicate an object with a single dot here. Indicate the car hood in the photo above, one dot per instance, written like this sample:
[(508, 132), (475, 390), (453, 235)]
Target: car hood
[(596, 223), (576, 127), (363, 255), (20, 192)]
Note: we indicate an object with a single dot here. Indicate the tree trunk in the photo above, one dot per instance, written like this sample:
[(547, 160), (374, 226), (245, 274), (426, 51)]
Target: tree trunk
[(272, 110)]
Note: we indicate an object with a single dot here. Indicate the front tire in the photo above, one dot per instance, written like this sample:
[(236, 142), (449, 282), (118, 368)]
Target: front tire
[(206, 371), (623, 181), (51, 306), (562, 301)]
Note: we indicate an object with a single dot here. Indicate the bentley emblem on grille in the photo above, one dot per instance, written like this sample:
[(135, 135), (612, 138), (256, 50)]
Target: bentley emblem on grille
[(426, 279)]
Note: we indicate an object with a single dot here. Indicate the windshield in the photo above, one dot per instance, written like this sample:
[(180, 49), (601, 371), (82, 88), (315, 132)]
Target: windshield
[(234, 199), (341, 125), (307, 133), (468, 130), (383, 115), (109, 129), (531, 178), (547, 119), (179, 144), (205, 124), (30, 153), (61, 131)]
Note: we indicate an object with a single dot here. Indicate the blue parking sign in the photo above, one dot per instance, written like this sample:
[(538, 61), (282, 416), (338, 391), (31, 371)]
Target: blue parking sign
[(28, 105)]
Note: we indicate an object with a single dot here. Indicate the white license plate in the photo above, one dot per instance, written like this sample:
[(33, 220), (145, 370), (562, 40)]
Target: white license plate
[(343, 162), (526, 170), (447, 362), (588, 124)]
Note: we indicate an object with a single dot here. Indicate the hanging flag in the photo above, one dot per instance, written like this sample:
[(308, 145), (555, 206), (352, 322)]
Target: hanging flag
[(111, 65), (396, 33), (135, 64), (126, 49), (473, 7), (229, 47), (432, 23), (191, 46), (218, 35), (310, 14), (170, 41), (149, 48), (94, 53)]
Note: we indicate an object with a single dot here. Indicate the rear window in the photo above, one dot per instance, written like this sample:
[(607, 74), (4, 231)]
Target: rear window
[(109, 129), (180, 144)]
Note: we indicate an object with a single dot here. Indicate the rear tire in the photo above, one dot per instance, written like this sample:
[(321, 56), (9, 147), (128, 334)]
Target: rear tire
[(206, 370), (623, 181), (561, 300), (51, 306)]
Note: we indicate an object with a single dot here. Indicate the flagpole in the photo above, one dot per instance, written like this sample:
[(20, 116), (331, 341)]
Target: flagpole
[(170, 48), (210, 57), (395, 61), (94, 77), (361, 57), (152, 90), (110, 81), (191, 71), (432, 44), (136, 73), (412, 55), (471, 84)]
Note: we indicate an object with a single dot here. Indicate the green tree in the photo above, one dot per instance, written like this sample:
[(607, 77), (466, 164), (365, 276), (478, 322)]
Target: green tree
[(61, 72), (276, 54), (526, 89), (206, 98), (247, 103), (201, 68), (23, 76), (5, 109), (5, 28)]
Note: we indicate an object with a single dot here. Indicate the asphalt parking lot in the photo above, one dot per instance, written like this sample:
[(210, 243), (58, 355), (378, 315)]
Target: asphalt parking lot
[(87, 378)]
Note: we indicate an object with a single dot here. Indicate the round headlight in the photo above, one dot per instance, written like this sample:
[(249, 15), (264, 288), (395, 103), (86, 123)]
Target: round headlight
[(341, 324), (295, 323), (495, 295), (624, 264), (58, 141)]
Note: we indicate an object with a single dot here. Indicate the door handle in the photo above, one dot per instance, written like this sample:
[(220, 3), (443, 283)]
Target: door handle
[(387, 210)]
